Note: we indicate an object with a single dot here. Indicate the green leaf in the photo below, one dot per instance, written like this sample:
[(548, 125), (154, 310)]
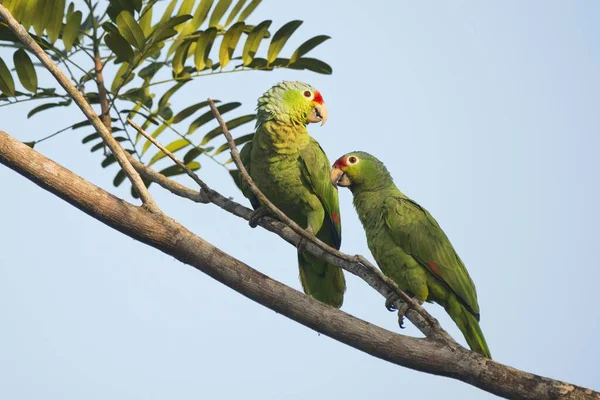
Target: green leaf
[(130, 30), (145, 22), (164, 100), (280, 63), (7, 83), (248, 10), (180, 56), (101, 144), (177, 170), (192, 154), (117, 43), (166, 113), (218, 12), (115, 7), (308, 46), (70, 9), (258, 63), (234, 12), (199, 16), (163, 34), (55, 21), (280, 38), (312, 64), (71, 30), (168, 12), (47, 106), (97, 147), (186, 7), (133, 190), (90, 137), (238, 142), (148, 72), (187, 112), (208, 116), (109, 160), (43, 16), (122, 74), (172, 147), (92, 97), (25, 70), (109, 27), (119, 178), (81, 124), (229, 43), (132, 113), (234, 123), (253, 41), (203, 47)]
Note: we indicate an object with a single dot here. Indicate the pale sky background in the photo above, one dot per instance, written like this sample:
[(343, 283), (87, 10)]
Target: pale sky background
[(486, 113)]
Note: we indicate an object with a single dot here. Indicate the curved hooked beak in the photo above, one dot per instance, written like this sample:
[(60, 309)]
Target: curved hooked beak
[(339, 178), (319, 114)]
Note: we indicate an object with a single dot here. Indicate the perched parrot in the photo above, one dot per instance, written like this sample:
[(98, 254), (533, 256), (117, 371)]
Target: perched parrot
[(409, 245), (293, 172)]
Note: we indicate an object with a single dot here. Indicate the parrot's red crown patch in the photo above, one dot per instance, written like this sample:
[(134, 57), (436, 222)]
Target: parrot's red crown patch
[(340, 162), (318, 97)]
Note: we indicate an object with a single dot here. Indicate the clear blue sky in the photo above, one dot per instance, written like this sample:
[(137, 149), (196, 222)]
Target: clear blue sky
[(485, 112)]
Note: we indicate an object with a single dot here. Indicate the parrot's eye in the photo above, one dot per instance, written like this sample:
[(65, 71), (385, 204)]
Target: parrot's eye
[(307, 94), (352, 160)]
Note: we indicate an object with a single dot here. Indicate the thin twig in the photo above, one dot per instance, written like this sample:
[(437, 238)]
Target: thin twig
[(183, 136), (115, 147), (265, 202), (205, 189)]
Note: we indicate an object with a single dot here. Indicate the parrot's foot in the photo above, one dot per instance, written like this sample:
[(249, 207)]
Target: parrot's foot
[(389, 304), (257, 215), (302, 244), (390, 300), (401, 311)]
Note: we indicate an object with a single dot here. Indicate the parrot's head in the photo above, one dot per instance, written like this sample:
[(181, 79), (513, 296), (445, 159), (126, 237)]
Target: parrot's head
[(295, 103), (360, 171)]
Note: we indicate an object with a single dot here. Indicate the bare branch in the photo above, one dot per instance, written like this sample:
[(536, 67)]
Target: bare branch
[(102, 94), (168, 236), (113, 145), (191, 174), (430, 328)]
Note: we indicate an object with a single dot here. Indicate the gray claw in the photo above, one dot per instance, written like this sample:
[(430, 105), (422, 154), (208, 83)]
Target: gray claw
[(257, 215)]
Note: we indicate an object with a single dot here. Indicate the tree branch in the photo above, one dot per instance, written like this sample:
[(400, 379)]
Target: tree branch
[(113, 145), (168, 236), (102, 94)]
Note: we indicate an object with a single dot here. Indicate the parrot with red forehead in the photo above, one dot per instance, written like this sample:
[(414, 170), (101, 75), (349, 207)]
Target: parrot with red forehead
[(293, 172), (409, 245)]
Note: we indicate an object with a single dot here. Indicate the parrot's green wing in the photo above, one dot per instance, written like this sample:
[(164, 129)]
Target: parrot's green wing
[(316, 170), (245, 155), (419, 235)]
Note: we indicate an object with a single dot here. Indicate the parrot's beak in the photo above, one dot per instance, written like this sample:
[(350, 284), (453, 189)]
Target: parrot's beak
[(319, 114), (339, 178)]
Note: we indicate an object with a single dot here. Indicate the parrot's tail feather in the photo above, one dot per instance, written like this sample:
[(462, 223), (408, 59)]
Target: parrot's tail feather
[(322, 281), (468, 325)]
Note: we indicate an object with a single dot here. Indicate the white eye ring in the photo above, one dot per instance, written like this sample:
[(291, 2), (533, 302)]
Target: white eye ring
[(353, 160), (308, 95)]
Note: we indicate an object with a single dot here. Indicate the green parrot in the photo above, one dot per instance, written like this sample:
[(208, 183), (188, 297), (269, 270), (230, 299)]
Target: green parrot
[(293, 172), (409, 245)]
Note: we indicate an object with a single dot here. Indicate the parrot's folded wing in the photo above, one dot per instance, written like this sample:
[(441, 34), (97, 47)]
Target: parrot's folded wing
[(420, 236)]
